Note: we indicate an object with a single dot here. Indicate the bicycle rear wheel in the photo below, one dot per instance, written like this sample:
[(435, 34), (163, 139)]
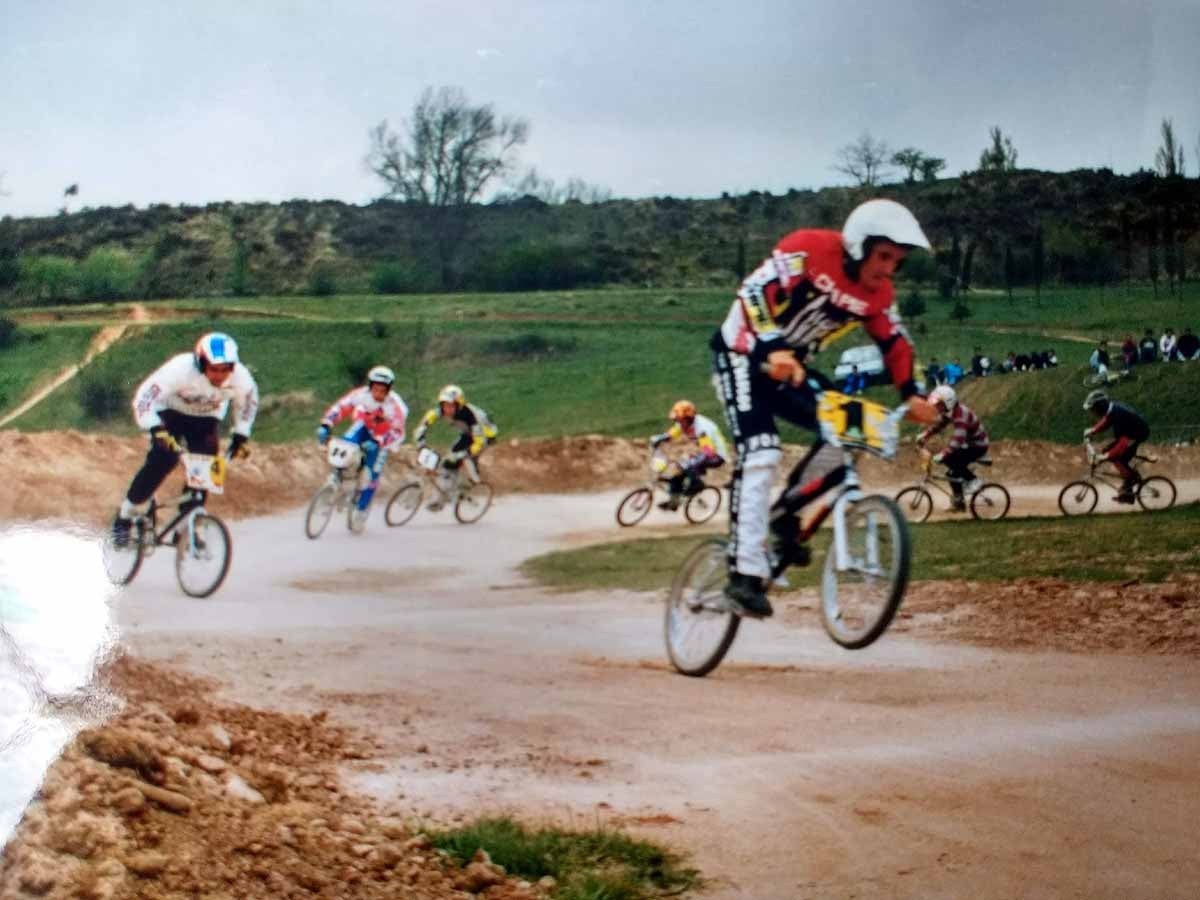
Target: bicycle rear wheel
[(634, 506), (915, 503), (320, 511), (700, 626), (990, 502), (403, 505), (474, 500), (1078, 498), (202, 555), (1156, 492), (703, 505), (859, 602), (122, 561)]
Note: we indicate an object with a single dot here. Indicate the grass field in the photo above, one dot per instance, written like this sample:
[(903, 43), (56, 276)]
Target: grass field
[(553, 364), (1096, 548)]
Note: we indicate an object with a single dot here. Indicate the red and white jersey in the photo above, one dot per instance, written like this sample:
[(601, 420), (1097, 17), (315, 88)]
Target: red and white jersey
[(383, 419), (801, 298), (968, 430), (178, 385)]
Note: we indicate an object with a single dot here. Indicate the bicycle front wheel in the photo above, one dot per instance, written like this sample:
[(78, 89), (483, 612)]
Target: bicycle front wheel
[(858, 602), (1156, 492), (634, 506), (474, 500), (122, 561), (700, 625), (915, 503), (1078, 498), (990, 502), (356, 519), (403, 505), (703, 506), (202, 555), (320, 511)]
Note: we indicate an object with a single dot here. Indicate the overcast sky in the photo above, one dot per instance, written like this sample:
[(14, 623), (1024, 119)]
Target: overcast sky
[(198, 101)]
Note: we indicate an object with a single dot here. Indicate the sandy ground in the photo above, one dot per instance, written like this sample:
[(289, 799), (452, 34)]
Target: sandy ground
[(1035, 739)]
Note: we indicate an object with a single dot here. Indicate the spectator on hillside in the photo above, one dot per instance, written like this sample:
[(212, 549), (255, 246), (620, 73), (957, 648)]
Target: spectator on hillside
[(933, 375), (1009, 364), (1023, 363), (954, 372), (1051, 358), (977, 363), (1129, 350), (1099, 360), (1188, 346), (1148, 347), (856, 382), (1166, 345)]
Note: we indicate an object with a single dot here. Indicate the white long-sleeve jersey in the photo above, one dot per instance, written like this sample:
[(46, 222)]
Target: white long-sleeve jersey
[(178, 385)]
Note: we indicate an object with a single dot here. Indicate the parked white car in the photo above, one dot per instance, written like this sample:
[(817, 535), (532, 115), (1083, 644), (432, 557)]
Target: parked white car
[(868, 359)]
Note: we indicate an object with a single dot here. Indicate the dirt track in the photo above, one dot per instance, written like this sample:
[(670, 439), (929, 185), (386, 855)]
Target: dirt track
[(943, 762)]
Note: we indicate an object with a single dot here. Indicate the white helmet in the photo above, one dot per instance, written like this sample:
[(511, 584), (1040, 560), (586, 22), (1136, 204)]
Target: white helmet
[(381, 375), (215, 347), (881, 219), (452, 393), (944, 394)]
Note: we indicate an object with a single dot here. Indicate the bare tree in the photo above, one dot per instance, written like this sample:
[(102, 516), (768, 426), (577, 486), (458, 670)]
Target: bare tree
[(1001, 156), (448, 154), (1168, 161), (863, 160)]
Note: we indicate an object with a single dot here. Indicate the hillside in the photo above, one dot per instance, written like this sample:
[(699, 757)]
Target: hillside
[(1093, 227)]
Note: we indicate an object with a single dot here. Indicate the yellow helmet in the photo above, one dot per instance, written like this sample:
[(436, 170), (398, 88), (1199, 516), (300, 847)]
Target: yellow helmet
[(452, 393), (683, 409)]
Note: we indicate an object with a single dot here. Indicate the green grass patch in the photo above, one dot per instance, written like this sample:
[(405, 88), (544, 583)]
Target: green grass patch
[(1144, 546), (35, 355), (599, 864)]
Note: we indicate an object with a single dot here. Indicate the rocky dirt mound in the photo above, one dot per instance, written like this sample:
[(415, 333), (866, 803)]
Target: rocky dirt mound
[(179, 797), (1051, 614)]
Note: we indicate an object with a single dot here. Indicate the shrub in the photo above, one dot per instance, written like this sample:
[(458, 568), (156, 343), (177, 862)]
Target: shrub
[(8, 333), (108, 274), (538, 266), (961, 312), (49, 278), (912, 306), (529, 344), (321, 282), (357, 367), (379, 328), (102, 394), (394, 278)]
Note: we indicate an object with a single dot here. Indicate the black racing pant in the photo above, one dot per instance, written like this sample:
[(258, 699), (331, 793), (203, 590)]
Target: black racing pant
[(957, 463), (752, 402), (200, 434)]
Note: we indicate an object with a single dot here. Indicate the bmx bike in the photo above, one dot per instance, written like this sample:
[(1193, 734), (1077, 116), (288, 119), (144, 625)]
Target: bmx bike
[(1080, 497), (470, 499), (1105, 376), (201, 541), (988, 500), (340, 491), (866, 566), (701, 504)]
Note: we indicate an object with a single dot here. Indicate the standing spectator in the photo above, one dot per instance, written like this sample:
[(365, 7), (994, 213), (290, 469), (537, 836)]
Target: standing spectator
[(954, 372), (856, 382), (1188, 346), (933, 375), (1129, 350), (1148, 347), (1166, 345)]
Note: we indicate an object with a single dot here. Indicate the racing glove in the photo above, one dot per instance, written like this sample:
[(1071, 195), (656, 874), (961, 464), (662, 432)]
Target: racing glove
[(238, 448), (164, 439), (939, 458), (322, 434), (659, 439)]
